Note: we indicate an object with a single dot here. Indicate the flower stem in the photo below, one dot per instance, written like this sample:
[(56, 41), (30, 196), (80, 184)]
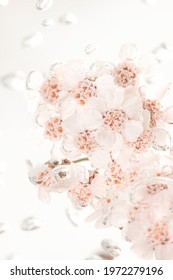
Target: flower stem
[(80, 160)]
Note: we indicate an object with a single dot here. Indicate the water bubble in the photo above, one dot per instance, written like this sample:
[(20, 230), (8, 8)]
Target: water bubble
[(31, 223), (43, 5), (75, 216), (48, 22), (34, 80), (162, 139), (128, 51), (90, 48), (14, 81), (111, 247), (100, 68), (32, 40), (167, 170), (3, 228), (54, 67), (135, 158), (4, 2), (69, 18)]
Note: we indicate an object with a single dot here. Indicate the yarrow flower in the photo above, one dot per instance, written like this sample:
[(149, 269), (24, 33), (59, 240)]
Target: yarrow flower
[(111, 147)]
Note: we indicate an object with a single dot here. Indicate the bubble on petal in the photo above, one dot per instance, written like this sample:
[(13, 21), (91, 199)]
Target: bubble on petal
[(3, 227), (4, 2), (34, 80), (99, 68), (162, 139), (32, 40), (31, 223), (128, 51), (111, 247), (69, 18), (14, 81), (43, 5), (75, 216), (54, 67), (48, 22), (167, 170), (90, 48), (135, 158)]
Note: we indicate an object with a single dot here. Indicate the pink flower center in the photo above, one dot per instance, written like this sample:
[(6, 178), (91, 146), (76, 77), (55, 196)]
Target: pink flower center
[(156, 188), (44, 179), (85, 141), (81, 195), (50, 89), (153, 106), (114, 119), (126, 74), (158, 234), (84, 90), (53, 128), (144, 141)]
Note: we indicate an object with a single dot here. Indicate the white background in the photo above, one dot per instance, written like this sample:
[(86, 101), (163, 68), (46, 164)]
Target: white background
[(105, 23)]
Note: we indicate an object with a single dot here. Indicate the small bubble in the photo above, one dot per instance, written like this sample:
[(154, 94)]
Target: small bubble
[(75, 216), (14, 81), (69, 18), (43, 5), (48, 22), (4, 2), (32, 40), (3, 227), (54, 67), (167, 170), (31, 223), (111, 247), (34, 80), (162, 139), (135, 158), (90, 48)]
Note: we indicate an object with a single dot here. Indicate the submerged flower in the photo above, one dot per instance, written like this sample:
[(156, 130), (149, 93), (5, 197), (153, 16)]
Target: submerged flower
[(50, 89)]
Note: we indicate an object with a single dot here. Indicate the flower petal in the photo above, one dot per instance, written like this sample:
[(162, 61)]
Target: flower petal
[(164, 252), (168, 115), (133, 129), (100, 159), (128, 51)]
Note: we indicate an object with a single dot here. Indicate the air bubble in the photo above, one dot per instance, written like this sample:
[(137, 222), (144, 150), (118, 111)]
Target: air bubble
[(32, 40), (31, 223), (111, 247), (69, 18), (34, 80), (14, 81), (90, 48), (75, 216), (48, 22), (162, 139), (43, 5)]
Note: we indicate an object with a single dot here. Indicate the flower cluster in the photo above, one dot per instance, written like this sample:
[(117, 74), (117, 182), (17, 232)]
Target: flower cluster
[(114, 137)]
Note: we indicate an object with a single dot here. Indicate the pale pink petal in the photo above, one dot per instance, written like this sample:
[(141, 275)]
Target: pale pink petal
[(164, 252), (71, 73), (98, 186), (133, 129), (128, 51), (71, 126), (100, 159), (89, 119), (105, 138), (168, 115), (105, 82), (142, 249), (67, 107), (133, 106)]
